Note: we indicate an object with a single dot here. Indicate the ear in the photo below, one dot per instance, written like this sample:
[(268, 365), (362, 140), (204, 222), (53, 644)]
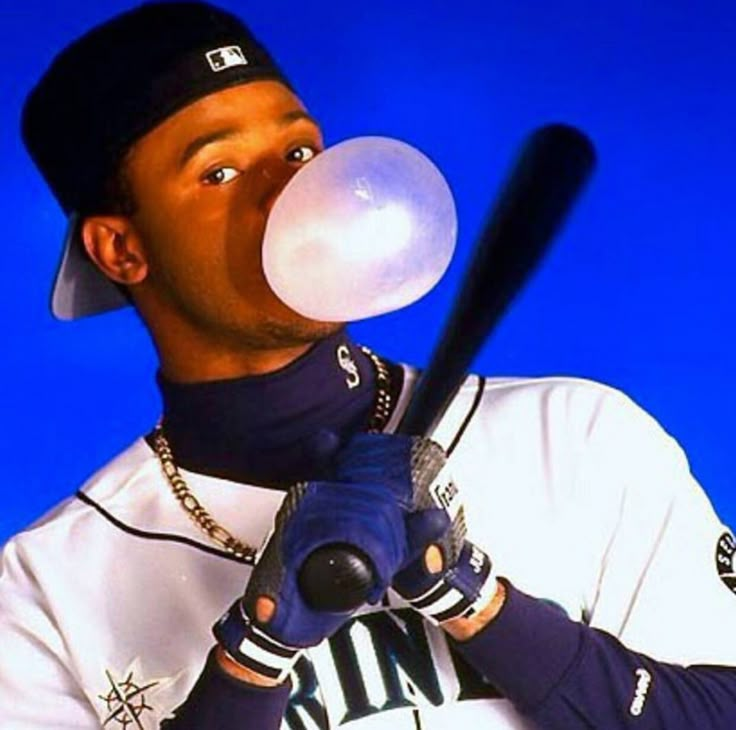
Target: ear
[(114, 245)]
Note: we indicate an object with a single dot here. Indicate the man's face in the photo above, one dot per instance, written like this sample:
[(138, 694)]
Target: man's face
[(204, 182)]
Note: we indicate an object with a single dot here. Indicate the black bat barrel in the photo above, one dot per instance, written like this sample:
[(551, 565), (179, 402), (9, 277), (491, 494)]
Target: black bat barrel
[(552, 168), (554, 164)]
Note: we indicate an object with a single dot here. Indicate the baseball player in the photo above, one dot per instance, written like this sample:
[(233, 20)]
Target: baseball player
[(580, 580)]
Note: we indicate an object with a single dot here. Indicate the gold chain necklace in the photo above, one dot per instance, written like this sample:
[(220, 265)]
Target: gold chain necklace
[(196, 510)]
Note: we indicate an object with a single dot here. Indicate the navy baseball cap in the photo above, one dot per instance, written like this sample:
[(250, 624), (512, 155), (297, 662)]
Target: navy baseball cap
[(109, 88)]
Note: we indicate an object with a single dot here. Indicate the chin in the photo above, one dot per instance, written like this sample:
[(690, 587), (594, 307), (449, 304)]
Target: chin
[(299, 331), (280, 318), (267, 323)]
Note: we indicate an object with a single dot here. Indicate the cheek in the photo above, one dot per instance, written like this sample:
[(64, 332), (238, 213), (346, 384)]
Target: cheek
[(179, 256), (238, 232), (210, 242), (243, 267)]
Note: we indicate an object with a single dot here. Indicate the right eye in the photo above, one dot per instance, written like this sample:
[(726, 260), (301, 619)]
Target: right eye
[(220, 176)]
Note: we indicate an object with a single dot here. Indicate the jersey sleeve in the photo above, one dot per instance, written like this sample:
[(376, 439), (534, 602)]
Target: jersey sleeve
[(655, 648), (661, 560), (37, 690), (220, 701), (564, 675)]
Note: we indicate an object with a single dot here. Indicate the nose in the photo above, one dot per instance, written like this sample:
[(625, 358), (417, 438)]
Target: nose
[(275, 175)]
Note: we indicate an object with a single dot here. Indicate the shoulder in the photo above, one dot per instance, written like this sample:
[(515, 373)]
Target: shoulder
[(598, 427), (123, 480), (577, 409), (590, 438), (555, 398), (561, 436)]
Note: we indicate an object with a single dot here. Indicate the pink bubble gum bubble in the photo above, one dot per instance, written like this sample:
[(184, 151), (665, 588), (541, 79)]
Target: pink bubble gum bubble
[(367, 227)]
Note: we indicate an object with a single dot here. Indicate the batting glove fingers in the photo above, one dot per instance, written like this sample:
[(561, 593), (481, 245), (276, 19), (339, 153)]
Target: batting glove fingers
[(267, 629)]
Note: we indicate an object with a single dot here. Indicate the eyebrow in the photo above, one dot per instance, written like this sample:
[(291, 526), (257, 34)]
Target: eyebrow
[(202, 141), (220, 134), (295, 116)]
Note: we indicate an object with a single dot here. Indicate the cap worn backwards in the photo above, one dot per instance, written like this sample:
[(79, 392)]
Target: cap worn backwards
[(109, 88)]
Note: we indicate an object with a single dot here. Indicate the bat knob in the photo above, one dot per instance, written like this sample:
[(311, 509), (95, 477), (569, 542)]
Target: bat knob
[(336, 578)]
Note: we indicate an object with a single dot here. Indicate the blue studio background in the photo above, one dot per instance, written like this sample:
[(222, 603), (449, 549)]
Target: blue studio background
[(637, 292)]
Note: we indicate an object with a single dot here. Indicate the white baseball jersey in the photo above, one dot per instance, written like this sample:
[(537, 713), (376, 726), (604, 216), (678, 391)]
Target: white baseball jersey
[(577, 495)]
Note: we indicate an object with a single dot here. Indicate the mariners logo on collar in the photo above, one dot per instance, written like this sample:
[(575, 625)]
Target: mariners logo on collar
[(346, 362), (726, 560)]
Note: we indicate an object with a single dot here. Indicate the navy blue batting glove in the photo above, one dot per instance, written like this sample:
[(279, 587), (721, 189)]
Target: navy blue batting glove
[(267, 629), (461, 582), (445, 575)]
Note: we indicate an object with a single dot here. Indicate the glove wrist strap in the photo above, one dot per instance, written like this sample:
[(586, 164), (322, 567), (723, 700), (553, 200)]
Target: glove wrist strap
[(462, 591), (251, 647)]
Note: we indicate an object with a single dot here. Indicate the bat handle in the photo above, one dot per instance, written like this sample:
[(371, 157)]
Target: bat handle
[(336, 578)]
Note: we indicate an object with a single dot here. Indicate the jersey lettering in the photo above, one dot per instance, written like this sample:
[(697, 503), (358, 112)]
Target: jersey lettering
[(382, 661), (473, 686), (305, 711)]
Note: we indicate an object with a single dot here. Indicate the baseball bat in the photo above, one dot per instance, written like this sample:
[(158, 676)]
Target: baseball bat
[(552, 168)]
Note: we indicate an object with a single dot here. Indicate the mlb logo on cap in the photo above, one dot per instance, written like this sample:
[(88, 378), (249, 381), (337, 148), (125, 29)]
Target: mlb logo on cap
[(221, 58)]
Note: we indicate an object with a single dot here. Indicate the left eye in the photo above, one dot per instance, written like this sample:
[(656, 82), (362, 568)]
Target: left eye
[(303, 153), (220, 176)]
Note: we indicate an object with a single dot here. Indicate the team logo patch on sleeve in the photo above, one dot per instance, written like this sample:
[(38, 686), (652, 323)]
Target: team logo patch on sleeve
[(126, 701), (130, 702), (726, 560)]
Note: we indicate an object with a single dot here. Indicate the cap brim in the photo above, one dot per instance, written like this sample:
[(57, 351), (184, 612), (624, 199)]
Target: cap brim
[(80, 288)]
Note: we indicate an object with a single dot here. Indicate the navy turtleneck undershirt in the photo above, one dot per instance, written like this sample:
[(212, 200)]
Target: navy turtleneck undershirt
[(273, 429)]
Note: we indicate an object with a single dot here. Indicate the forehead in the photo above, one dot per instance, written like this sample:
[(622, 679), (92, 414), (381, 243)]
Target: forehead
[(253, 108)]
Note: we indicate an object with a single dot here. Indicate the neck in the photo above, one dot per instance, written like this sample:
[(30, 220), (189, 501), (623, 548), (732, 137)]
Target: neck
[(272, 428), (226, 364), (195, 354)]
